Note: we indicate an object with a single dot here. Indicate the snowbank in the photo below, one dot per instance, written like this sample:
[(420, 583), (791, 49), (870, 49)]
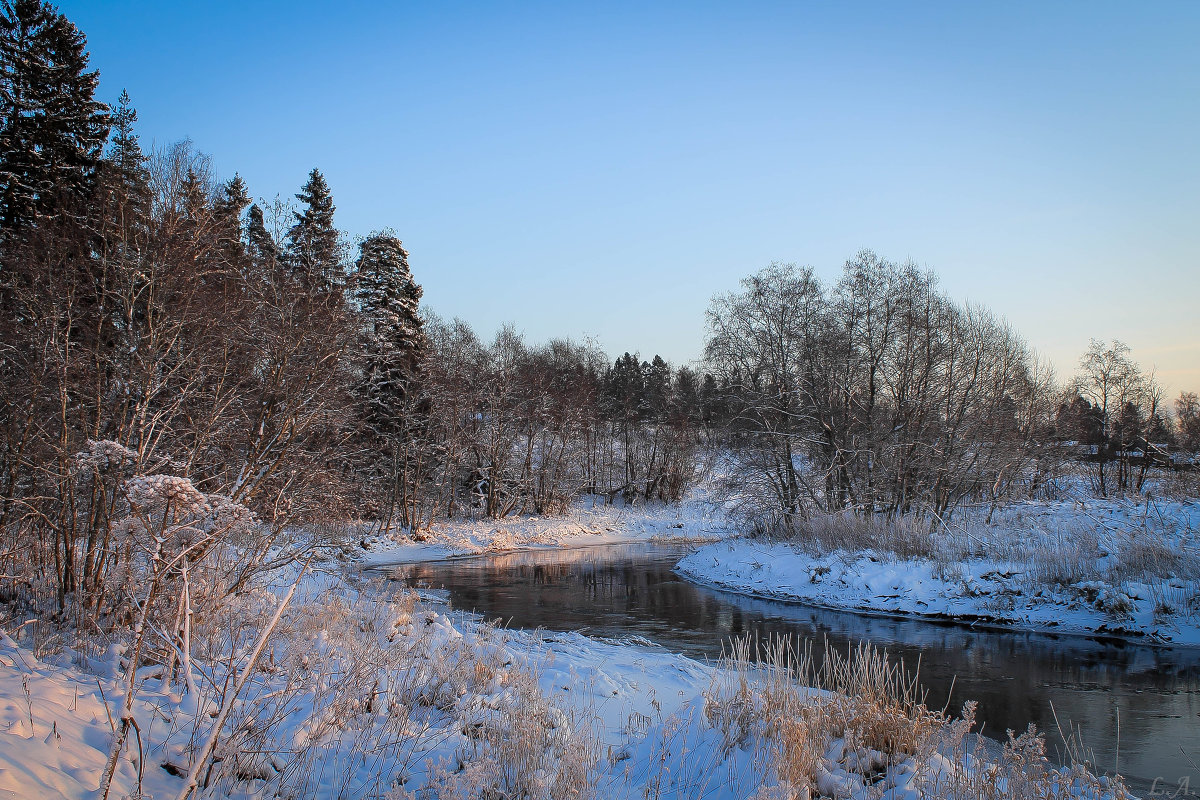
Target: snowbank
[(590, 522), (624, 719), (1097, 569)]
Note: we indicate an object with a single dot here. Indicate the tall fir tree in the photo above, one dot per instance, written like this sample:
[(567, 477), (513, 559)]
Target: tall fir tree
[(313, 250), (52, 130), (122, 234), (230, 204), (264, 252), (626, 386), (194, 206), (126, 177), (657, 375), (232, 201), (393, 336)]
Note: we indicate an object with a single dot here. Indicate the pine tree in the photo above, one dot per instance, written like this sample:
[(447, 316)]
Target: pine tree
[(685, 394), (232, 201), (196, 214), (313, 251), (626, 386), (122, 228), (392, 330), (710, 400), (52, 130)]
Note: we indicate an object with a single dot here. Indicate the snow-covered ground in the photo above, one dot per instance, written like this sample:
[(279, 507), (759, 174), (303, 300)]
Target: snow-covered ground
[(372, 697), (370, 691), (1111, 568), (590, 522), (364, 694)]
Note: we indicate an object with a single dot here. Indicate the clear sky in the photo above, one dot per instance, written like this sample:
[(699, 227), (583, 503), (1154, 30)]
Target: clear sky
[(605, 168)]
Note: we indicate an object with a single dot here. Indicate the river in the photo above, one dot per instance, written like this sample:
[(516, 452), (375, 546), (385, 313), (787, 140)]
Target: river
[(1150, 695)]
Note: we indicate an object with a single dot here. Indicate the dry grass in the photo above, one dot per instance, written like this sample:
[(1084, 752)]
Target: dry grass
[(1051, 553), (857, 706), (362, 686), (1177, 598), (904, 537), (857, 725), (960, 770), (527, 746)]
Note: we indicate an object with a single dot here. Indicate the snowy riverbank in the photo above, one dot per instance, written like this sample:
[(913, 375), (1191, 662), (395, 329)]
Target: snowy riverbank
[(1102, 568), (1095, 567), (589, 522), (372, 694), (369, 690)]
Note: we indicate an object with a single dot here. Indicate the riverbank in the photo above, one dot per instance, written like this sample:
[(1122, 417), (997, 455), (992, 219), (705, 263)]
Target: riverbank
[(365, 691), (591, 521), (370, 692), (1101, 568), (368, 689)]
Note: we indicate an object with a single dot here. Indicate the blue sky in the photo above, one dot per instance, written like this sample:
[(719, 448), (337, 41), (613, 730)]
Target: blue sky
[(604, 169)]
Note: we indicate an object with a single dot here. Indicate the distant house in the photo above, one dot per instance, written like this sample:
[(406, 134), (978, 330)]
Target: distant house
[(1157, 453)]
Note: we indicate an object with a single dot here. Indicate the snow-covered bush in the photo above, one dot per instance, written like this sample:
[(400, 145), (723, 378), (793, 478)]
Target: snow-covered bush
[(362, 686), (958, 768), (1106, 598)]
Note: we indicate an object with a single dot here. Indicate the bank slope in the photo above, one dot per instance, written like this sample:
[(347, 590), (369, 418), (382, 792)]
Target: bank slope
[(981, 592)]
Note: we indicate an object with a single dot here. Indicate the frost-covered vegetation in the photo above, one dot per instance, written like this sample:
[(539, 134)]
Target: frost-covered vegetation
[(1114, 567), (773, 723), (210, 407), (366, 691), (357, 693)]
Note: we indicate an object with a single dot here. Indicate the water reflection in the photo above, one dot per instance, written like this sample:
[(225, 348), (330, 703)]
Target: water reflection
[(1016, 678)]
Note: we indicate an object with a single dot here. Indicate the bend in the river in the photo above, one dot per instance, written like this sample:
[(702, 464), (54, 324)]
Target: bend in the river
[(1017, 678)]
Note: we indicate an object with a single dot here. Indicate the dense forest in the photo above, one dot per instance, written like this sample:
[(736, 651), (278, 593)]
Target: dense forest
[(157, 322)]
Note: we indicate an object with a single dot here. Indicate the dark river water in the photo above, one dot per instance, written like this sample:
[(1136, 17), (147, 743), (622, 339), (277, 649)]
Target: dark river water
[(1017, 678)]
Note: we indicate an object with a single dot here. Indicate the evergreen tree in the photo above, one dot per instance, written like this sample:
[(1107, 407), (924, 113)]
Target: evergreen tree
[(227, 220), (685, 394), (232, 202), (52, 130), (658, 385), (126, 177), (264, 253), (392, 329), (313, 251), (122, 235), (710, 400), (194, 246), (1187, 417), (196, 214), (626, 387)]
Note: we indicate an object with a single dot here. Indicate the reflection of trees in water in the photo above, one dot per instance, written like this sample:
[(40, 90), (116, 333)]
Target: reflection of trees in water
[(631, 589)]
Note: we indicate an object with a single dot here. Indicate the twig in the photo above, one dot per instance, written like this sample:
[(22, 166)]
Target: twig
[(108, 711), (210, 744)]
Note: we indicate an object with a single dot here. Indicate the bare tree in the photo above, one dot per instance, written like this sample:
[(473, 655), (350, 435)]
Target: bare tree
[(880, 395), (1119, 394)]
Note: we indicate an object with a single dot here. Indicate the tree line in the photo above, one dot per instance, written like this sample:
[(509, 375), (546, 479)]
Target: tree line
[(879, 394), (157, 321)]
